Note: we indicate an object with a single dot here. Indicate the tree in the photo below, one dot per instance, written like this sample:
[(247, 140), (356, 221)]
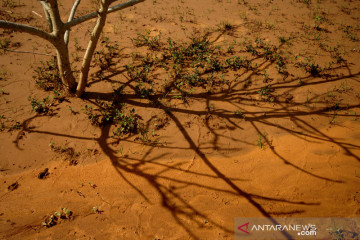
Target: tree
[(59, 32)]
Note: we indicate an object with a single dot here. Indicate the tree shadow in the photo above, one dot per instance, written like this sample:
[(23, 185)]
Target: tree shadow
[(255, 118), (255, 112)]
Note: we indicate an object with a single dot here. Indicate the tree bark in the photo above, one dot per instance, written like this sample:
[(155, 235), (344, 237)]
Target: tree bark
[(91, 47), (47, 15), (58, 25), (66, 74), (71, 17)]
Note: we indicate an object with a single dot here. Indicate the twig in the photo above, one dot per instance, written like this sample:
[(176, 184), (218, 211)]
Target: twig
[(47, 15), (71, 17), (17, 51), (102, 199), (89, 16), (37, 14), (190, 164)]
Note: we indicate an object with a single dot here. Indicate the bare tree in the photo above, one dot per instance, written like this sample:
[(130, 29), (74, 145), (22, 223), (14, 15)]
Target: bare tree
[(59, 32)]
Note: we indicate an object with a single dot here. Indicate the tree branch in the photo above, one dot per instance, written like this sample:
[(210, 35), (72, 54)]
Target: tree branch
[(55, 16), (47, 10), (87, 17), (71, 17), (103, 11), (27, 29)]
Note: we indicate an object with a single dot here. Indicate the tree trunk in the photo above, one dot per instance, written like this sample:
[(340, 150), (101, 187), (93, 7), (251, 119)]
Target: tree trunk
[(62, 51), (91, 47), (66, 74), (58, 30)]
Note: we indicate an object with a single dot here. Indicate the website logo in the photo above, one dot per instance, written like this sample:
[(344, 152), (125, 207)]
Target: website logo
[(244, 225), (296, 228)]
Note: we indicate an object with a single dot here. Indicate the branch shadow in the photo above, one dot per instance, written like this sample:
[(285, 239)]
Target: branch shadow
[(239, 97), (230, 95)]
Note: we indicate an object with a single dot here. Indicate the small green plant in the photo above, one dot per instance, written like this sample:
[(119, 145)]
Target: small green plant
[(153, 43), (240, 114), (261, 139), (77, 45), (253, 8), (231, 46), (269, 25), (226, 27), (238, 62), (194, 79), (345, 87), (143, 92), (125, 124), (93, 117), (55, 218), (58, 96), (356, 117), (266, 94), (332, 116), (266, 76), (16, 126), (96, 210), (3, 92), (336, 231), (139, 74), (66, 213), (336, 105), (318, 20), (283, 40), (2, 124), (91, 184), (144, 133), (122, 151), (40, 106), (310, 67), (112, 113), (3, 74), (71, 109), (104, 58), (9, 3), (269, 52), (350, 33), (306, 2), (47, 76)]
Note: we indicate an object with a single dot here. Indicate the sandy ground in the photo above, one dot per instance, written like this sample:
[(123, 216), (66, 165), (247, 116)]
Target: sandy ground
[(220, 155)]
